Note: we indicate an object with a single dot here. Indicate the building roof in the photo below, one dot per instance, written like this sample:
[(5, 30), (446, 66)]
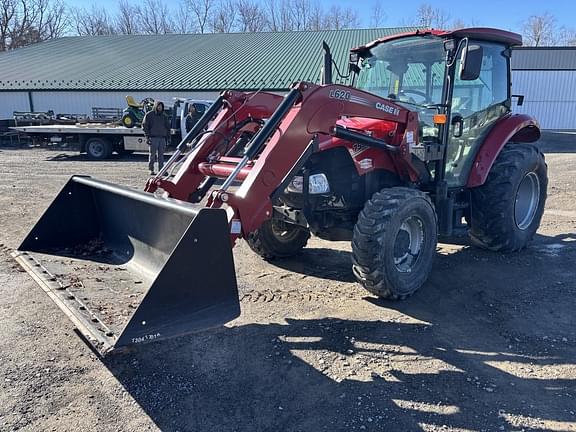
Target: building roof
[(544, 58), (202, 62)]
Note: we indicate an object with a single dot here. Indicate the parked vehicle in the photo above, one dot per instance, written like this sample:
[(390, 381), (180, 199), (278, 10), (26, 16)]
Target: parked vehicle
[(134, 113), (99, 140)]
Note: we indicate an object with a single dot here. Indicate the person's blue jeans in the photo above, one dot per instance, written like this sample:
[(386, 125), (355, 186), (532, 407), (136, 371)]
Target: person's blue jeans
[(156, 152)]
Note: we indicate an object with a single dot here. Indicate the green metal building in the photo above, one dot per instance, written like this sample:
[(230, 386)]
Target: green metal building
[(74, 74)]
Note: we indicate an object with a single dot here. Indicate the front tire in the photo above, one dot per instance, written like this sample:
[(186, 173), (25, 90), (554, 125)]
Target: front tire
[(394, 242), (277, 239), (507, 209)]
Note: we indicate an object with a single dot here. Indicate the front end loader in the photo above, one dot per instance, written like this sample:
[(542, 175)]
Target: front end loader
[(423, 144)]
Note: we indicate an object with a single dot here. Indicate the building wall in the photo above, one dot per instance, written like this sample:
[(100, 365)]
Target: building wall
[(13, 101), (550, 97)]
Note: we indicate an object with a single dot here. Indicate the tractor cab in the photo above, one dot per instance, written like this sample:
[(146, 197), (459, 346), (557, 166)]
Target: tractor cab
[(458, 82)]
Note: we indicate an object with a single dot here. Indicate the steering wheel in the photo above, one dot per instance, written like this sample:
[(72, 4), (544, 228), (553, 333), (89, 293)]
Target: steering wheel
[(415, 92)]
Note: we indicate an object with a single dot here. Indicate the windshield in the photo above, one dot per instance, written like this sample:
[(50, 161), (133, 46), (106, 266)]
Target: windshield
[(409, 71)]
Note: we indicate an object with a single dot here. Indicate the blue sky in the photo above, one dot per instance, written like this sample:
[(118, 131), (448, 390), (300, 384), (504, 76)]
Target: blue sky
[(505, 14)]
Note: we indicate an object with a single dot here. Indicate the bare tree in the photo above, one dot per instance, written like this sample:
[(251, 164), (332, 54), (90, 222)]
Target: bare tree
[(45, 18), (92, 22), (155, 17), (250, 17), (377, 15), (128, 18), (430, 17), (567, 37), (458, 24), (184, 21), (21, 30), (317, 18), (301, 14), (540, 30), (278, 15), (201, 10), (23, 22), (224, 17), (338, 18), (57, 20), (8, 11)]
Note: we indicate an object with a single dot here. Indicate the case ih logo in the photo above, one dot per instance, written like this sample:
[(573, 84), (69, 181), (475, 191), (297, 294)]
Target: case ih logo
[(387, 108), (339, 94)]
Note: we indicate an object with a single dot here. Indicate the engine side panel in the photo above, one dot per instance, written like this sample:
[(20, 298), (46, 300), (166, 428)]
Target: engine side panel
[(365, 159)]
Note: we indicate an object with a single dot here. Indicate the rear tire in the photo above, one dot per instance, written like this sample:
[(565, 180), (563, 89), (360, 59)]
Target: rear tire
[(128, 120), (394, 242), (98, 149), (507, 209), (277, 239)]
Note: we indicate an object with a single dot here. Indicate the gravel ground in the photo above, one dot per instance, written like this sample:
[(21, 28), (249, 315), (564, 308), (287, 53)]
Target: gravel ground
[(488, 344)]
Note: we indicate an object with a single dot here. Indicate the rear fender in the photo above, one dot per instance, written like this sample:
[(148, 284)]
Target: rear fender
[(512, 128)]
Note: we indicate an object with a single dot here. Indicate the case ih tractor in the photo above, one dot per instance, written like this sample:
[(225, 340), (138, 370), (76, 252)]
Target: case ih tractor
[(422, 144)]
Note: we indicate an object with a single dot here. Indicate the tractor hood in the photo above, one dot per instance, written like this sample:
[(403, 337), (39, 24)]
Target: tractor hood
[(379, 128)]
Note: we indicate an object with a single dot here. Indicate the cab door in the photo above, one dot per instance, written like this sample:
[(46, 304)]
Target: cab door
[(476, 107)]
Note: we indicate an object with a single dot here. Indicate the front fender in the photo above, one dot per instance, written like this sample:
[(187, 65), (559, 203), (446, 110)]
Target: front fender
[(512, 128)]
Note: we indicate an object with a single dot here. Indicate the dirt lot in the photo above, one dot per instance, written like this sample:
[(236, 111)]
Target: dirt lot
[(488, 344)]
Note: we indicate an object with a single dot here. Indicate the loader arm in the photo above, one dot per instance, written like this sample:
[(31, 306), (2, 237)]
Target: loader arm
[(291, 127)]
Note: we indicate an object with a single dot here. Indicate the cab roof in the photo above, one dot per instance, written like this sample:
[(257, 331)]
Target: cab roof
[(477, 33)]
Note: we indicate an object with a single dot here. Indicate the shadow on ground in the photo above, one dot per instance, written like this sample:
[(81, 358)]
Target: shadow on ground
[(479, 348), (322, 263), (76, 157), (71, 154)]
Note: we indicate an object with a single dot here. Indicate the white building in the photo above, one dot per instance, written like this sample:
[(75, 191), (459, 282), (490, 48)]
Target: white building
[(547, 79)]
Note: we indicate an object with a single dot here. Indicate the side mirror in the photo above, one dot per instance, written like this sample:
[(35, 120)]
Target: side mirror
[(471, 62), (327, 67), (520, 99)]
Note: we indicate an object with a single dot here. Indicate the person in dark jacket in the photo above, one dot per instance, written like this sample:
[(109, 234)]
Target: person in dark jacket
[(192, 117), (156, 126)]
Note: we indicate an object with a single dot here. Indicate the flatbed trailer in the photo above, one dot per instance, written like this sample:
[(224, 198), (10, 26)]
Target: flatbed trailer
[(100, 140)]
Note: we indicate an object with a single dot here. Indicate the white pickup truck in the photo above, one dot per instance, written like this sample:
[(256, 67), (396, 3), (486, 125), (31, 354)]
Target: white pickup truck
[(99, 140)]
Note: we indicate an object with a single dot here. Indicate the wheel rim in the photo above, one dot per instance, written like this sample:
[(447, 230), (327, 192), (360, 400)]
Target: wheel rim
[(283, 232), (96, 149), (527, 200), (408, 244), (128, 121)]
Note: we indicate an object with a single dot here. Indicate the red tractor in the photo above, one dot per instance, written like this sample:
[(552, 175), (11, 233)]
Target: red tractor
[(422, 144)]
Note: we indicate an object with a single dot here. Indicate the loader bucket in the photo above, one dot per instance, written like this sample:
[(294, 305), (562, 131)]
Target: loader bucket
[(123, 245)]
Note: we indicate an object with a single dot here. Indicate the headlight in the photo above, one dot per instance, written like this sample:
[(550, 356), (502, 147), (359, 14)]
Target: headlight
[(317, 184)]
